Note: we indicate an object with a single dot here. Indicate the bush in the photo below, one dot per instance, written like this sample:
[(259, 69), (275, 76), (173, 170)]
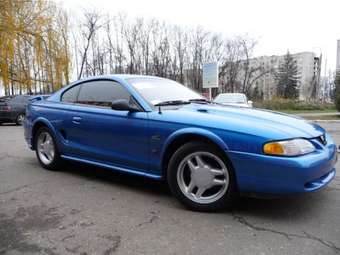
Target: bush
[(337, 102), (289, 104)]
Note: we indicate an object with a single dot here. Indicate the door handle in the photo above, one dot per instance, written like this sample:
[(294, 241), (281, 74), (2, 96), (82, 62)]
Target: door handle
[(76, 120)]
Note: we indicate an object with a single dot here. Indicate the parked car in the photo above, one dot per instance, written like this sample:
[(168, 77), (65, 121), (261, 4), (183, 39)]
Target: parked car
[(12, 109), (235, 99), (157, 128)]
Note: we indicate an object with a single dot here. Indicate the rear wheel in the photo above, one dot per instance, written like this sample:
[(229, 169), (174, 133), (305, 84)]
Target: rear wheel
[(20, 119), (200, 176), (46, 149)]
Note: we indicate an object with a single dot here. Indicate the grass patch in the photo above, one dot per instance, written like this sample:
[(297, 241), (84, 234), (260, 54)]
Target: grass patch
[(294, 106), (308, 111), (322, 117)]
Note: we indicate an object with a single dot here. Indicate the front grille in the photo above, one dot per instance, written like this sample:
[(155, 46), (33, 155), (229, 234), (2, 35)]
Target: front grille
[(322, 139)]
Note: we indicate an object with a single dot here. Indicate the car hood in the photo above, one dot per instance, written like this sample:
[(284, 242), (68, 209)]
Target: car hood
[(258, 122)]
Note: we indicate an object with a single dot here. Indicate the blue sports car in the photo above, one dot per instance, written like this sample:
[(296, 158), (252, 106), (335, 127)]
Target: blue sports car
[(157, 128)]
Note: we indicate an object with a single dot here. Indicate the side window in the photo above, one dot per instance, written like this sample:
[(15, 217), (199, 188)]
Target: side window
[(102, 93), (70, 95)]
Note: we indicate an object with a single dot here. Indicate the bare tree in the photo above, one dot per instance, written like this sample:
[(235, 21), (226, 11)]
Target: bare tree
[(117, 44), (230, 66), (91, 25), (246, 46)]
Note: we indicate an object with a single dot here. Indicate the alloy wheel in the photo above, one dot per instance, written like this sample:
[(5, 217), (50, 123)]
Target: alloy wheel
[(20, 119), (45, 148), (203, 177)]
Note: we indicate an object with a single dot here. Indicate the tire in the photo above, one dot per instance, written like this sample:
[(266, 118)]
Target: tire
[(20, 118), (47, 160), (213, 175)]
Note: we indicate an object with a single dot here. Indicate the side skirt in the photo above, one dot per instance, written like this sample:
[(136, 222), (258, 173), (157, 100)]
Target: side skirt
[(114, 168)]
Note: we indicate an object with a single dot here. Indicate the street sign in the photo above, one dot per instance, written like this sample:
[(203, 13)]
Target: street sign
[(210, 75)]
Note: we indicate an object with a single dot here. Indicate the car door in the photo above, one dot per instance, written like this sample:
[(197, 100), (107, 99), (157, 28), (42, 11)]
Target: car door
[(98, 133)]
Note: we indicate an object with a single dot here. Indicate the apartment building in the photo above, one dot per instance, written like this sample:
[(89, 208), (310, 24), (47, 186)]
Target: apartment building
[(309, 67)]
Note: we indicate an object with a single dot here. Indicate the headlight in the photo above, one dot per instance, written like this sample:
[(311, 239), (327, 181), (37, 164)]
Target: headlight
[(293, 147)]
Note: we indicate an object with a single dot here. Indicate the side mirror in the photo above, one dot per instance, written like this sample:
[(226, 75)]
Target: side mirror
[(123, 105), (35, 98), (250, 103)]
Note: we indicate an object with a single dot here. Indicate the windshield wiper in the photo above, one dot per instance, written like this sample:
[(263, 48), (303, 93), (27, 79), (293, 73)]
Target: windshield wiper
[(173, 102), (200, 100)]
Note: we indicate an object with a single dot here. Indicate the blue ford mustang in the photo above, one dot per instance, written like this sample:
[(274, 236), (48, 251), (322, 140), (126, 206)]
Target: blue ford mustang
[(157, 128)]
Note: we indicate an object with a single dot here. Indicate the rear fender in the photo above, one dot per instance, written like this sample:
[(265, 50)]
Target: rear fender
[(47, 123)]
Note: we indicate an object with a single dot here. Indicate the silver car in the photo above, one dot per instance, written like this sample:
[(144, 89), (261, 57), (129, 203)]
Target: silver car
[(235, 99)]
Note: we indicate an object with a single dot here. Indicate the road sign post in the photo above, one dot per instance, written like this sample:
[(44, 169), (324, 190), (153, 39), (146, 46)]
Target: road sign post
[(210, 77)]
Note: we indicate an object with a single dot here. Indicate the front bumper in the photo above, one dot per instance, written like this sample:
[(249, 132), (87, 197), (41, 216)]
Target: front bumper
[(263, 174), (28, 133)]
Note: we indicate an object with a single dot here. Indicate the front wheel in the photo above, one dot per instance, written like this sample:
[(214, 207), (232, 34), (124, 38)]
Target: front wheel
[(46, 149), (201, 177)]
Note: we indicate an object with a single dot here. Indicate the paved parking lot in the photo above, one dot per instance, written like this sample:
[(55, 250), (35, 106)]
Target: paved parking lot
[(87, 210)]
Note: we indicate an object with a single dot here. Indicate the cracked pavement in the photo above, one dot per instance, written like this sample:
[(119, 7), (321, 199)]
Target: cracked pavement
[(88, 210)]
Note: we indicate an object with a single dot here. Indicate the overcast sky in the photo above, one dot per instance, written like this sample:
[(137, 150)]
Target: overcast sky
[(278, 25)]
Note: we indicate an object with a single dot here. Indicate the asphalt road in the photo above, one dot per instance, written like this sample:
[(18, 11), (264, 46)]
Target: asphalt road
[(86, 210)]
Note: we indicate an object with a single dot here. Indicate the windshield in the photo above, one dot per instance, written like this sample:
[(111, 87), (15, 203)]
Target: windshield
[(231, 98), (158, 90)]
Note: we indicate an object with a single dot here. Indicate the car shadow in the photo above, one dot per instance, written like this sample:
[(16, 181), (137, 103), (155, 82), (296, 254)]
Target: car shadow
[(9, 124), (125, 180), (279, 209)]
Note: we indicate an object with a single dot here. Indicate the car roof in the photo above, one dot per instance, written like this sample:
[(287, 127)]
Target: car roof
[(120, 76), (129, 76)]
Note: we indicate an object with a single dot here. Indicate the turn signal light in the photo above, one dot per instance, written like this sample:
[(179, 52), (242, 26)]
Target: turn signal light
[(273, 149)]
